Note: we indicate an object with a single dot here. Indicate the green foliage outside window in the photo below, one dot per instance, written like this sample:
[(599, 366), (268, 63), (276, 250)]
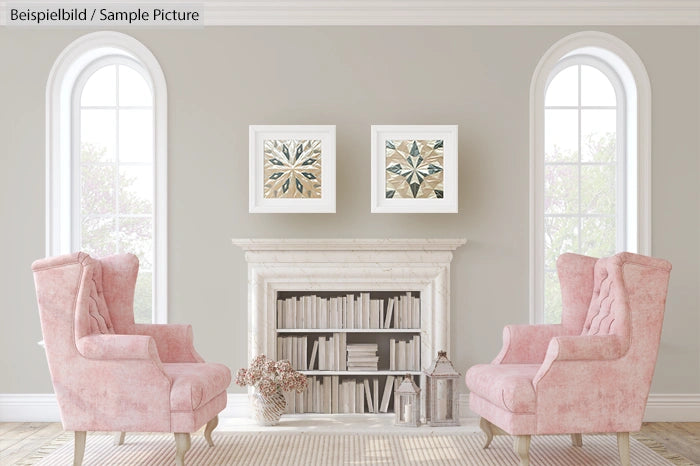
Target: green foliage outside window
[(580, 209), (115, 219)]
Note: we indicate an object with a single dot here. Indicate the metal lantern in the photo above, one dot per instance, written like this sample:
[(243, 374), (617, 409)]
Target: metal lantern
[(441, 392), (407, 403)]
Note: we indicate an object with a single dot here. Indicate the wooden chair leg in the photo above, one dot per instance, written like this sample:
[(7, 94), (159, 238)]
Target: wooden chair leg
[(79, 447), (487, 428), (576, 440), (521, 445), (211, 425), (182, 443), (623, 447), (119, 438)]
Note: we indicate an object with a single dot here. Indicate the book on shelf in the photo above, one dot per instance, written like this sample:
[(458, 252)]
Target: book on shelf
[(406, 317), (389, 313), (322, 353), (416, 352), (343, 312), (343, 337), (348, 394), (381, 313), (304, 352), (374, 313), (368, 396), (415, 315), (327, 394), (330, 354), (350, 312), (392, 354), (308, 311), (280, 314), (375, 385), (388, 390), (334, 394), (318, 396), (365, 310), (360, 398), (333, 313), (294, 355), (314, 350), (309, 395)]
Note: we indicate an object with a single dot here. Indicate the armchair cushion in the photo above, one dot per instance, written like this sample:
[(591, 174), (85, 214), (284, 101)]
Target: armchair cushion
[(508, 386), (195, 384)]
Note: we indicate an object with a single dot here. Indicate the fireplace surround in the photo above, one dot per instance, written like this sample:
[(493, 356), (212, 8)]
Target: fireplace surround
[(351, 265)]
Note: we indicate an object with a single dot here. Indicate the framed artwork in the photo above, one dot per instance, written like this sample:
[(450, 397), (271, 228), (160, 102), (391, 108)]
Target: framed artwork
[(292, 168), (414, 168)]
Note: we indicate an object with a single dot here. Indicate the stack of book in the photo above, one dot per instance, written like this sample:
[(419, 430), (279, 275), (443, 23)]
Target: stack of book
[(362, 356)]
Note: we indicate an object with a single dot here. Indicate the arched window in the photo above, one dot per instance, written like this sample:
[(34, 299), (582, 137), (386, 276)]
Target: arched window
[(106, 159), (590, 100)]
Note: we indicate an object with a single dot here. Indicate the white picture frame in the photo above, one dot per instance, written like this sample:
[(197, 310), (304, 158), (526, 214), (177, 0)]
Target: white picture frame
[(426, 195), (267, 190)]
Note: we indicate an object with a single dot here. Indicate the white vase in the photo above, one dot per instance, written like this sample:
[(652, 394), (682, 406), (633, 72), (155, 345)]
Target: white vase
[(267, 410)]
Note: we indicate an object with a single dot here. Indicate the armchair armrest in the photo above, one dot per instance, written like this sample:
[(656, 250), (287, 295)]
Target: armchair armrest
[(118, 347), (175, 342), (526, 344), (571, 355), (585, 347)]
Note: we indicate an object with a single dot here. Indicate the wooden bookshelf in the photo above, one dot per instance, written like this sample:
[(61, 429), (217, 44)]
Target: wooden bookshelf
[(356, 329)]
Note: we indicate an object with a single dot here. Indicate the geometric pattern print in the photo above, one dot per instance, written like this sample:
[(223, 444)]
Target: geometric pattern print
[(292, 168), (414, 169)]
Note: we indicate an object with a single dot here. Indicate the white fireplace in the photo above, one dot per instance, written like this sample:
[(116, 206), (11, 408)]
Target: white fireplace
[(317, 265)]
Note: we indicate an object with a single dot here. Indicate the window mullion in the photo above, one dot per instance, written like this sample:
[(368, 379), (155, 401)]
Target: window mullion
[(580, 210), (117, 225)]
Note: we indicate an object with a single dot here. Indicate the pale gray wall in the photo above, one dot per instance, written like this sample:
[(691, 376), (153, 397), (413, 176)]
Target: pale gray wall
[(220, 80)]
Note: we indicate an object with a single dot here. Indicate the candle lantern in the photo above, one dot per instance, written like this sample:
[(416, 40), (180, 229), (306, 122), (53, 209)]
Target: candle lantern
[(441, 392), (407, 403)]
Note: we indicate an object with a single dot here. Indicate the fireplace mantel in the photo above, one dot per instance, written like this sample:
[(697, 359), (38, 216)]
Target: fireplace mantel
[(349, 265)]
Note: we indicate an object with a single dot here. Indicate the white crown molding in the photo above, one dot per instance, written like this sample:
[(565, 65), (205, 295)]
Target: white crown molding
[(432, 12), (42, 407), (348, 244)]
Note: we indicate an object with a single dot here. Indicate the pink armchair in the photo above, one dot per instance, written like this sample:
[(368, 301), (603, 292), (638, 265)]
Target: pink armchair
[(592, 372), (110, 374)]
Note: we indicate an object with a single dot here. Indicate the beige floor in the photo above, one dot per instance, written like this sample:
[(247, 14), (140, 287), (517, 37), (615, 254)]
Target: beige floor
[(19, 440)]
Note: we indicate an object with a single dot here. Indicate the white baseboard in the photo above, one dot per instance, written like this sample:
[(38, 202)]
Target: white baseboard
[(38, 407), (673, 407), (238, 405), (42, 407)]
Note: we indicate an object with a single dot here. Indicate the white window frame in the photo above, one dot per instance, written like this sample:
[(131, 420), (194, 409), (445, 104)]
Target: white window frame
[(635, 139), (61, 141)]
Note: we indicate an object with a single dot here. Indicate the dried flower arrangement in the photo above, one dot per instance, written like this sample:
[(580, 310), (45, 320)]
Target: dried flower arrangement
[(269, 376)]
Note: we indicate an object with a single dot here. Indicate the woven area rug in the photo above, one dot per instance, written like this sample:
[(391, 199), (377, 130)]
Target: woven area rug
[(305, 449)]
